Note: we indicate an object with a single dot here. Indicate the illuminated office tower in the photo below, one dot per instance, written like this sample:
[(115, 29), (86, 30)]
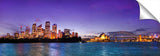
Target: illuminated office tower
[(47, 29), (73, 34), (53, 35), (34, 29), (59, 34), (76, 34), (62, 34), (54, 29), (16, 35), (43, 30), (8, 35), (67, 32), (27, 32), (22, 35), (39, 31)]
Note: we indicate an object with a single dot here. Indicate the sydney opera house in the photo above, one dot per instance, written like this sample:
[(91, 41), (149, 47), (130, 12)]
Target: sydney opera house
[(124, 36)]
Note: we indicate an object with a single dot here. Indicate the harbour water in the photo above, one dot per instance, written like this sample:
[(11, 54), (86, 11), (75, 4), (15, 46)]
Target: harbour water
[(81, 49)]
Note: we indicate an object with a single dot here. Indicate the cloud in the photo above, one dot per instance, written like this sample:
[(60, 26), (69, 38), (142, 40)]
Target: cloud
[(142, 29), (7, 27), (89, 36), (100, 33)]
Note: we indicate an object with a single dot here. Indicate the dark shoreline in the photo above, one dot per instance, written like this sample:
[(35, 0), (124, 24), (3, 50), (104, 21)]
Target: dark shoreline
[(41, 40)]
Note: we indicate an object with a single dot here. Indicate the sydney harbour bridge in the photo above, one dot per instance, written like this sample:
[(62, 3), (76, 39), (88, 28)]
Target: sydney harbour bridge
[(122, 35)]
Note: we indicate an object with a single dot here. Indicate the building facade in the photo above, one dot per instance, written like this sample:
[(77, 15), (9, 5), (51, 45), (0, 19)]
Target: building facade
[(47, 29)]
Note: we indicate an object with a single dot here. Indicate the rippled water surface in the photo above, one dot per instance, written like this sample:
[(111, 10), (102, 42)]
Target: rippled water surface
[(80, 49)]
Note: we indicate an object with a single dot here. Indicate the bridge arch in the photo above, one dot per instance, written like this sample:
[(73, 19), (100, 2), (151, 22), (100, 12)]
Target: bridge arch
[(122, 34)]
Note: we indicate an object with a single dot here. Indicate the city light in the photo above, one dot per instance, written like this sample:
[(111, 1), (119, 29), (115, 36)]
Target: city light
[(123, 38), (45, 35)]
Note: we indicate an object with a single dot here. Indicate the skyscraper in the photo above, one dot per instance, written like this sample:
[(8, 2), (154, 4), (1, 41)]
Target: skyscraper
[(16, 35), (39, 31), (47, 29), (34, 30), (73, 34), (27, 29), (76, 34), (8, 35), (53, 35), (22, 35), (59, 34), (67, 32), (54, 29), (27, 32)]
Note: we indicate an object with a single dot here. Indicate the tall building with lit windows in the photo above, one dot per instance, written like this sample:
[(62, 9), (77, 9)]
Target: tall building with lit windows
[(8, 35), (73, 35), (27, 35), (16, 35), (54, 30), (27, 30), (59, 34), (39, 31), (34, 30), (22, 35), (67, 32), (76, 34), (53, 35), (47, 29)]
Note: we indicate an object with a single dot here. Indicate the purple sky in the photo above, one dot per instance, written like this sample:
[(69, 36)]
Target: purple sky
[(87, 17)]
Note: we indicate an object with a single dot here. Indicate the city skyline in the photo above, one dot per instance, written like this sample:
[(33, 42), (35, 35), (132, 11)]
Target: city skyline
[(43, 33), (88, 17)]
